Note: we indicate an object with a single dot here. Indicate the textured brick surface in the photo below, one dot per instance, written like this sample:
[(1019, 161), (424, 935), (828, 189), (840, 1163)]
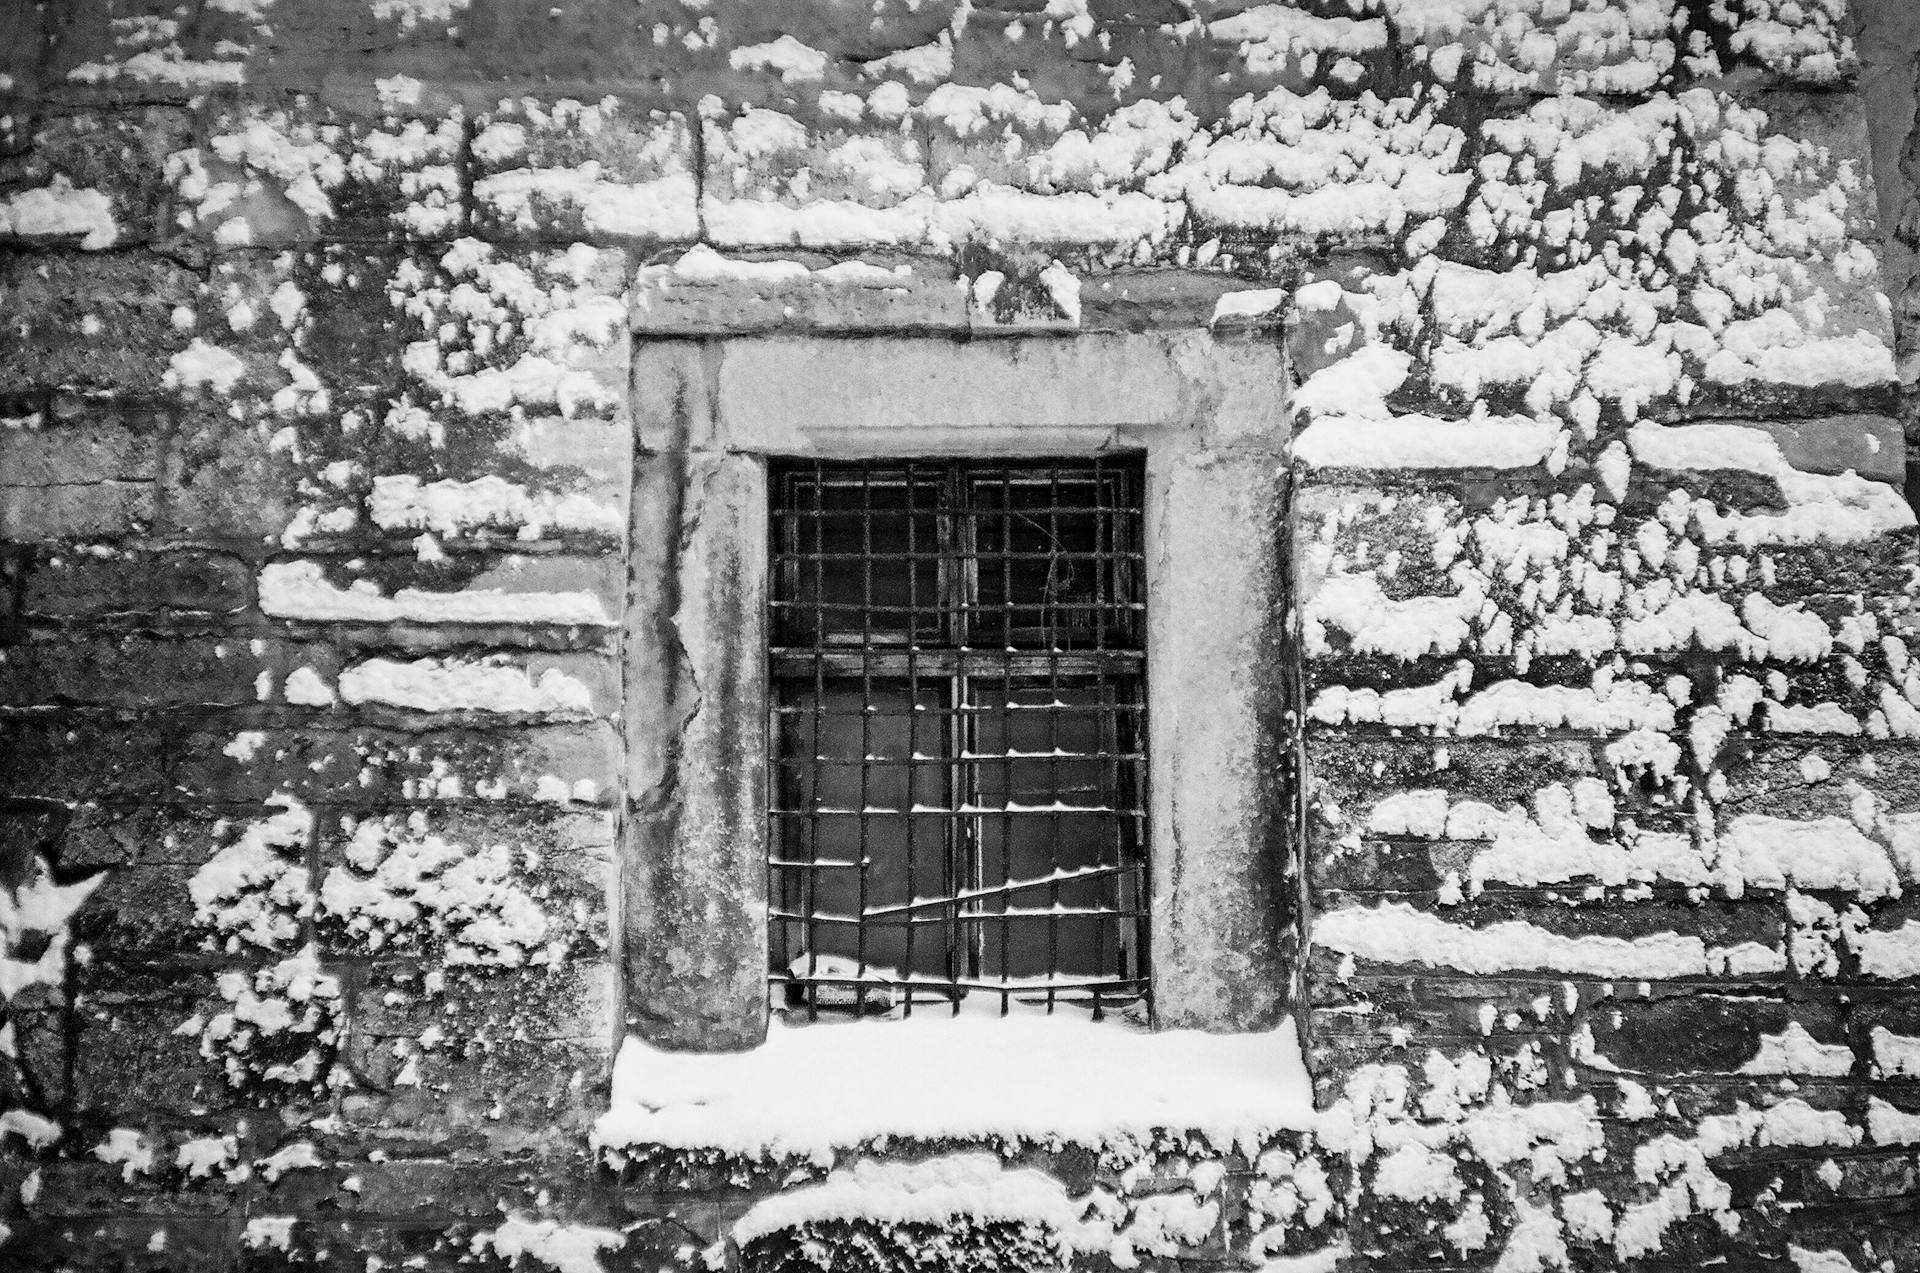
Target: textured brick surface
[(332, 330)]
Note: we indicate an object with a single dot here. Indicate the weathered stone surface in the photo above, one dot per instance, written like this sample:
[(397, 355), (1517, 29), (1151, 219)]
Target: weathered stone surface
[(66, 303), (1217, 701), (87, 586), (76, 510), (60, 760), (128, 671), (694, 857), (797, 394), (383, 768)]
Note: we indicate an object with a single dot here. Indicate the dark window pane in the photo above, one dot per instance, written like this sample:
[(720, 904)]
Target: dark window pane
[(1057, 553), (859, 558), (848, 843), (1055, 783), (958, 797)]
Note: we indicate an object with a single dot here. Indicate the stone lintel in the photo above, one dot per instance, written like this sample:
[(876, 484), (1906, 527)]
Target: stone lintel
[(785, 395)]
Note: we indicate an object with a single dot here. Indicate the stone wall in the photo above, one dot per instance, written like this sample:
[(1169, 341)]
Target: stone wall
[(326, 325)]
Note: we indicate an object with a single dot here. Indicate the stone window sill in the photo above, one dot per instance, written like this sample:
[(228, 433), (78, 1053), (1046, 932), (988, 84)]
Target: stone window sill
[(811, 1090)]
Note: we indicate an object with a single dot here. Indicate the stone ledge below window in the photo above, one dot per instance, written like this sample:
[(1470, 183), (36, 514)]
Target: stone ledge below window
[(813, 1090)]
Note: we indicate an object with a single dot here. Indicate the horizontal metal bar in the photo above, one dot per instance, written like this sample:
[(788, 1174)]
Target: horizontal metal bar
[(1081, 666), (810, 606), (1000, 890), (964, 758), (899, 920), (1014, 985)]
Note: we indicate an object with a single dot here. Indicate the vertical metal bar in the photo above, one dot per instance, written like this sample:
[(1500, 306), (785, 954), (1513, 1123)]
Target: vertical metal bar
[(866, 724), (819, 636), (913, 721), (1115, 508), (1140, 771), (1007, 594), (961, 586), (1055, 584)]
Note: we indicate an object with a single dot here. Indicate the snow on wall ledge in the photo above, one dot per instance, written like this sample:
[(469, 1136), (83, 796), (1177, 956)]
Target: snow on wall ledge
[(315, 464)]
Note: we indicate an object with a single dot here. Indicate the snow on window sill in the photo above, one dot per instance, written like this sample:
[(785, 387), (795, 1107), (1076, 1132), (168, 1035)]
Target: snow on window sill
[(810, 1090)]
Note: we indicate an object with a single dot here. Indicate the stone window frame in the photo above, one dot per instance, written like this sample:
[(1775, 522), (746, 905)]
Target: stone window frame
[(1208, 410)]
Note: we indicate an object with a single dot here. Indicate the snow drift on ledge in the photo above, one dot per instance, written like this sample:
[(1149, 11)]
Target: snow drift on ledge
[(812, 1089)]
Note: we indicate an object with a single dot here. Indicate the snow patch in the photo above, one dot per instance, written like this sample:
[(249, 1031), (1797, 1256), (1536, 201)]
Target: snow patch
[(1021, 1076), (59, 210), (566, 1248), (454, 685), (1396, 933), (301, 590)]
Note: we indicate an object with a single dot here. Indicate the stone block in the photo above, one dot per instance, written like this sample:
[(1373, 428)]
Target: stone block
[(475, 1005), (463, 596), (97, 835), (1351, 775), (224, 480), (1216, 702), (129, 1052), (703, 294), (41, 1037), (128, 671), (295, 172), (521, 885), (95, 586), (1400, 1018), (772, 183), (85, 1187), (135, 1244), (91, 322), (62, 760), (114, 160), (1137, 300), (1706, 1033), (95, 447), (558, 685), (509, 1096), (856, 397), (246, 766), (376, 768), (140, 912), (694, 850), (1386, 866), (30, 831), (1870, 445), (513, 334), (606, 170), (461, 1189), (23, 37), (88, 510), (595, 42), (1874, 1178), (341, 305), (495, 478)]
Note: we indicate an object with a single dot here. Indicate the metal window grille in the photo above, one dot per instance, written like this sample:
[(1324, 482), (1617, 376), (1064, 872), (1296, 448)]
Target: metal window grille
[(958, 734)]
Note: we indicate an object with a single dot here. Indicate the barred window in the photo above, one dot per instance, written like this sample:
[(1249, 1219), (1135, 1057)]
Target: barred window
[(958, 734)]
